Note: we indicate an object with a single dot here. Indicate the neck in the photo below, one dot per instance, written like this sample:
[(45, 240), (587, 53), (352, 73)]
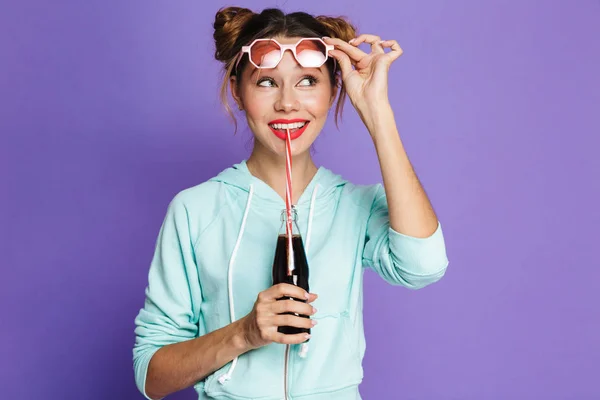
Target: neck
[(270, 168)]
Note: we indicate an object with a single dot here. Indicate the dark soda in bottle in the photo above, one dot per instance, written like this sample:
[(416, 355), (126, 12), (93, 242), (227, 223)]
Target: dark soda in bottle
[(291, 268)]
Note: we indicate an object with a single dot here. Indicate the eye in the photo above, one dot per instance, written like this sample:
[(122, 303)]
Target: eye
[(265, 82), (308, 80)]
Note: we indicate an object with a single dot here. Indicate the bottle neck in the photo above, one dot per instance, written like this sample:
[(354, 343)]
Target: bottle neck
[(286, 219), (293, 215)]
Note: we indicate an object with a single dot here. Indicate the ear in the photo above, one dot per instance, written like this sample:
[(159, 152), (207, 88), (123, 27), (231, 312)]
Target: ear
[(233, 85)]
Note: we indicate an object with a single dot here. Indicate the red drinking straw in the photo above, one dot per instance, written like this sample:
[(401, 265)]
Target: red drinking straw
[(288, 201)]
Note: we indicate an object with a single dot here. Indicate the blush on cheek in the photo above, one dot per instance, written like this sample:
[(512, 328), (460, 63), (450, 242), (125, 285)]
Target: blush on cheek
[(316, 104)]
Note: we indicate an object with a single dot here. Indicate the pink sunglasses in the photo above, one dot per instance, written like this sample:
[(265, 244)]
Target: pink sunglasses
[(267, 53)]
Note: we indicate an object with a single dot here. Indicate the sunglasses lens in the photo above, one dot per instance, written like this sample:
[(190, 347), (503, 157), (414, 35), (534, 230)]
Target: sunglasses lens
[(311, 53), (265, 54)]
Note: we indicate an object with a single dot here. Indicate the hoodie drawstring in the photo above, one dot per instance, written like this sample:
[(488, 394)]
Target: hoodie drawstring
[(225, 377), (311, 211), (304, 347)]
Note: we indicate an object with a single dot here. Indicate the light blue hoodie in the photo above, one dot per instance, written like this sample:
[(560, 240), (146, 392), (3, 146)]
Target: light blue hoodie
[(215, 252)]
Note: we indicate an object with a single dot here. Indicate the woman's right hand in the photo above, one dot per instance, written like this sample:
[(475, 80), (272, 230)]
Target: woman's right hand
[(260, 326)]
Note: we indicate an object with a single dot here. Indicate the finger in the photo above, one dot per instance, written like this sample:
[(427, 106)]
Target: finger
[(355, 54), (394, 46), (290, 339), (297, 307), (343, 61), (373, 40), (286, 290), (292, 320)]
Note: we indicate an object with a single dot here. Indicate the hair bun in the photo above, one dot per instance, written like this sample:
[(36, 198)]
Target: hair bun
[(339, 27), (229, 22)]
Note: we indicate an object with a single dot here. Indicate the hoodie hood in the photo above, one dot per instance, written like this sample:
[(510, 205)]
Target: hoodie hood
[(238, 176)]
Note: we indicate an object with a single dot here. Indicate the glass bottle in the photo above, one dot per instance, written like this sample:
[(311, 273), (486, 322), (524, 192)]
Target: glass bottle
[(290, 267)]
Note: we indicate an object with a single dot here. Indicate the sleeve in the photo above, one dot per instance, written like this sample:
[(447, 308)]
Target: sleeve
[(400, 259), (171, 309)]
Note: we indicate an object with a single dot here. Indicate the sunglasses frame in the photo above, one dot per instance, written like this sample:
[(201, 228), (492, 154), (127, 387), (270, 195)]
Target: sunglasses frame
[(283, 48)]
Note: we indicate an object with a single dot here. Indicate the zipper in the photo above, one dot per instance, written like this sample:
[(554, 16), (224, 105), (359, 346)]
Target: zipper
[(285, 372)]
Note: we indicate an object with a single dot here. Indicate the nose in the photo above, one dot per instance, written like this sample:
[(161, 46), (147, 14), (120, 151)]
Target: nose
[(287, 100)]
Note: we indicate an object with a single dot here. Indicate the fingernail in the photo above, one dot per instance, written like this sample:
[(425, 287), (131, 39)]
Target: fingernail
[(351, 40), (307, 296), (314, 310), (326, 37), (307, 336), (314, 322)]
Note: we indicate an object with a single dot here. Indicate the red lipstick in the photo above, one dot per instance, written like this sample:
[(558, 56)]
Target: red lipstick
[(283, 134)]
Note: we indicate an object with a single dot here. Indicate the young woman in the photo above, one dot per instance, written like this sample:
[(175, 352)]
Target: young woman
[(211, 314)]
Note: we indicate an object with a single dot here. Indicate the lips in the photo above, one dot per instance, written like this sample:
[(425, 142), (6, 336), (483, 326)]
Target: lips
[(283, 134)]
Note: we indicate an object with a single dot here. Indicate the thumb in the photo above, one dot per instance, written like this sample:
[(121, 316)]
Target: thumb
[(343, 61)]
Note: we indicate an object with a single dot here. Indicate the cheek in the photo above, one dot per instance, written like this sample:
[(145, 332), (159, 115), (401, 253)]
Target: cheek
[(317, 102), (260, 105)]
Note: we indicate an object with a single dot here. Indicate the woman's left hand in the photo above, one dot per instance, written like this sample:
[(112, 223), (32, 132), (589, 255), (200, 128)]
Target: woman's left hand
[(366, 83)]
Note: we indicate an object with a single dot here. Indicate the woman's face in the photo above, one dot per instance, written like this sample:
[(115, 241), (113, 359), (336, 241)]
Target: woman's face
[(284, 95)]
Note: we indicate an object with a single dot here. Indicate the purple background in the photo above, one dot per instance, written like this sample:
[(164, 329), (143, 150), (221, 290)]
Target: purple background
[(107, 109)]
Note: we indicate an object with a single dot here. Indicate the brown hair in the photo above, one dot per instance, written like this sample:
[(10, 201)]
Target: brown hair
[(236, 27)]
